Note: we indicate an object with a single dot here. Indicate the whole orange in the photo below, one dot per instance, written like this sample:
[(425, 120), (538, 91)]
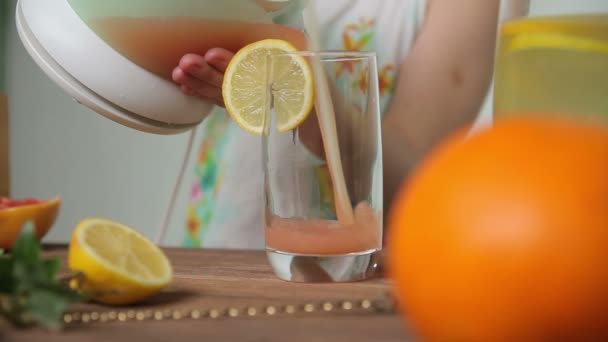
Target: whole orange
[(503, 236)]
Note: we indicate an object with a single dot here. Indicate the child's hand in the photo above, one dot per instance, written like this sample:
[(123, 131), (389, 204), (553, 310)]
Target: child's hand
[(202, 76)]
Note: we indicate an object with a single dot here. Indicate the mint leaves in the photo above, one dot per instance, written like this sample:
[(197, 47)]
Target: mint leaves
[(31, 292)]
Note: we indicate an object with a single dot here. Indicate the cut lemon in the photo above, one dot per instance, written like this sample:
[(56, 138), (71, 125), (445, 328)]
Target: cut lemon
[(119, 264), (245, 88)]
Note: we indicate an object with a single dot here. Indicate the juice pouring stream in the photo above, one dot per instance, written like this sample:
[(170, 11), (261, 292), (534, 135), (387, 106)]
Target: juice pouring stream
[(327, 122)]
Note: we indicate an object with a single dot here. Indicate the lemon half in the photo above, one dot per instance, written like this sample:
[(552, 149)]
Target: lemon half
[(246, 81), (120, 265)]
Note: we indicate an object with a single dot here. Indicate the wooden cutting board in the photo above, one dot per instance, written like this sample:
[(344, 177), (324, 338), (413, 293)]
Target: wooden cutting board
[(4, 147)]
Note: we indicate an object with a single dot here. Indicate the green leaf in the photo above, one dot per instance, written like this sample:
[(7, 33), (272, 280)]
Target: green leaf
[(7, 283), (51, 268), (30, 290), (65, 292), (26, 248), (46, 307)]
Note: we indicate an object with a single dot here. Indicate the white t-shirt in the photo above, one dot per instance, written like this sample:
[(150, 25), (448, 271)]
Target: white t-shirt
[(226, 198)]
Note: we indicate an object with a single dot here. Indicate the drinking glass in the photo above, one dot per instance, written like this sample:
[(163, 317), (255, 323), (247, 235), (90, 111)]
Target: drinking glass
[(553, 59), (323, 220)]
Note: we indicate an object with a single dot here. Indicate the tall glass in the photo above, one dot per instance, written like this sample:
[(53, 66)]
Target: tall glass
[(307, 238), (553, 59)]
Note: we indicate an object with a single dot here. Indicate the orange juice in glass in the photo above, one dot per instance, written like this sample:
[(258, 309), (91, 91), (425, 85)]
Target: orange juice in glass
[(307, 240), (554, 60)]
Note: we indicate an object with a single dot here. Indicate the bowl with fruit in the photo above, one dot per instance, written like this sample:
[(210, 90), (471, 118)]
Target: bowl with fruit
[(15, 213)]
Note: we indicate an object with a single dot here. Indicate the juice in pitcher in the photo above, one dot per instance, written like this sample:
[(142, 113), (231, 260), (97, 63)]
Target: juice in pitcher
[(155, 34), (553, 64), (158, 43)]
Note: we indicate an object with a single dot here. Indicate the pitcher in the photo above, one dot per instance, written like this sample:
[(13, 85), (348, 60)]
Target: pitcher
[(553, 58), (84, 44)]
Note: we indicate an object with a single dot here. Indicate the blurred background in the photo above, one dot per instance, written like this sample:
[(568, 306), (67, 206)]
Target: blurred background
[(99, 168)]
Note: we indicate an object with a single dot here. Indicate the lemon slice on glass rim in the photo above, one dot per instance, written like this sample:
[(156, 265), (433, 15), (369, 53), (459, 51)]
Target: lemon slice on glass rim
[(245, 87)]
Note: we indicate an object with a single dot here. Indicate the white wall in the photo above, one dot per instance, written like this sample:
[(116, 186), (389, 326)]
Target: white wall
[(4, 5), (98, 167), (556, 7)]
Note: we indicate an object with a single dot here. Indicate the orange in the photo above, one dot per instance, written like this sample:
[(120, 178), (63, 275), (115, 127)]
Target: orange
[(503, 236), (15, 214)]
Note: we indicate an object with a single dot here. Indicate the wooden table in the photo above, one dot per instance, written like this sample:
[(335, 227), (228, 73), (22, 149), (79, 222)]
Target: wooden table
[(218, 280)]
